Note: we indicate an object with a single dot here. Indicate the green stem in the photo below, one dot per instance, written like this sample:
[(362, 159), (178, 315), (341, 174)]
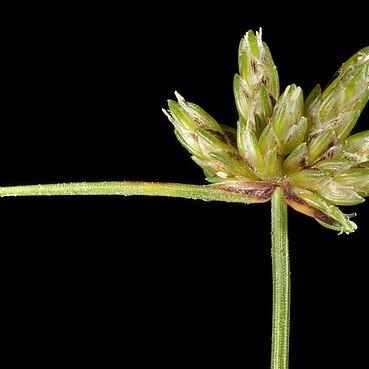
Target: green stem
[(280, 259), (281, 282), (202, 192)]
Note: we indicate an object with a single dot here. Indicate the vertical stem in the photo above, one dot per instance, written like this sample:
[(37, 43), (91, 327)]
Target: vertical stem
[(281, 282)]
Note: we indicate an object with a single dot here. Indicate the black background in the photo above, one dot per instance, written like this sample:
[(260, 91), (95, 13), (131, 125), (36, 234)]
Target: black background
[(151, 281)]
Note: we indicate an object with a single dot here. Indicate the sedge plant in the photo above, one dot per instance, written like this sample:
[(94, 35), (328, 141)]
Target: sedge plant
[(286, 149)]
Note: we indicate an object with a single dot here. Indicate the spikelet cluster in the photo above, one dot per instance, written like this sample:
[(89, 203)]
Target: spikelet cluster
[(283, 140)]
